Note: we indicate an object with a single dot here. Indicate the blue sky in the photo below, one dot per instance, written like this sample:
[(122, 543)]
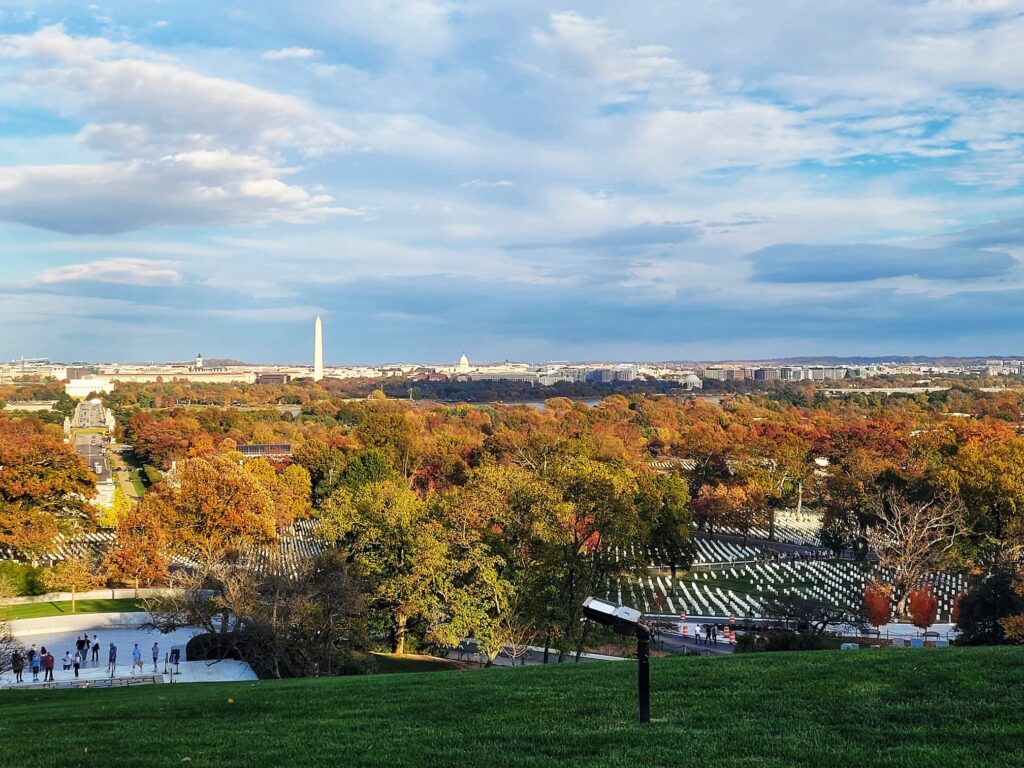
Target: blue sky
[(647, 180)]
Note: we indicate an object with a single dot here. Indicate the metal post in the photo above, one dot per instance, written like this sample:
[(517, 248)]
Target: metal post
[(643, 657)]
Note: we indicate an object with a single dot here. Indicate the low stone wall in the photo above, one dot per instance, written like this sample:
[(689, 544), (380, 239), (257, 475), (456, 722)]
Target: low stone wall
[(50, 625), (95, 594)]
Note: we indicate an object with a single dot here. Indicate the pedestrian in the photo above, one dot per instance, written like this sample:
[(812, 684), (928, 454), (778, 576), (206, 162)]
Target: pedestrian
[(35, 661), (95, 649), (156, 654), (714, 633), (66, 661), (17, 665), (707, 634), (81, 644), (136, 658), (31, 654), (76, 664), (48, 662), (112, 659)]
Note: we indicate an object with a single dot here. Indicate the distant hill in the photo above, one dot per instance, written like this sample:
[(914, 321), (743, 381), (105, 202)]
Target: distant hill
[(912, 708)]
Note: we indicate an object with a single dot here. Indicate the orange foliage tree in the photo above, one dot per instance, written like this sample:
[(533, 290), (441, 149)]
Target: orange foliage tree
[(139, 555), (923, 607), (44, 487), (877, 604)]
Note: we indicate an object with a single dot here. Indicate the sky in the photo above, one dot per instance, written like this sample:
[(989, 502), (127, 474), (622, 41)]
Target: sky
[(651, 180)]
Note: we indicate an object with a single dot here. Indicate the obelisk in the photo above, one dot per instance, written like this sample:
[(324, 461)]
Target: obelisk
[(318, 350)]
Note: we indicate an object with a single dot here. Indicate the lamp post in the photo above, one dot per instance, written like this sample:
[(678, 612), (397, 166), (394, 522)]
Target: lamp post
[(643, 672), (627, 621)]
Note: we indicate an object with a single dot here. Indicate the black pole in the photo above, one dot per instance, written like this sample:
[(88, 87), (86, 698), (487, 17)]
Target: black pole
[(643, 657)]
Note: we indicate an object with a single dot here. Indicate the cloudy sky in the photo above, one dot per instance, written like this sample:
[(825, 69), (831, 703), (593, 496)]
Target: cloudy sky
[(658, 179)]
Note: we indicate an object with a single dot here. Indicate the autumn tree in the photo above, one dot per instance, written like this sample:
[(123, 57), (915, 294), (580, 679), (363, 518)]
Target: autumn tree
[(392, 430), (877, 604), (923, 607), (988, 475), (45, 488), (76, 574), (211, 508), (139, 554)]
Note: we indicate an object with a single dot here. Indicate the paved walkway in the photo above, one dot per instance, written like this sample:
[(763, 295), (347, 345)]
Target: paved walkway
[(125, 637)]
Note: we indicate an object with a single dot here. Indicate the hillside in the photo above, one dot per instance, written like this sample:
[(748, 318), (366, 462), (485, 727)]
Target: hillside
[(931, 708)]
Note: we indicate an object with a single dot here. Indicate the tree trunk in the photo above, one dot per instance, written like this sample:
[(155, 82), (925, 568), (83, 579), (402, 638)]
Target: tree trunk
[(398, 645), (771, 524), (136, 587), (73, 595), (547, 647), (583, 639), (673, 569), (799, 498)]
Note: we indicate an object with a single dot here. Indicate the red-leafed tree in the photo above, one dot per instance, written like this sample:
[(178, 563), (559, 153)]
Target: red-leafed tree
[(923, 607), (956, 606), (877, 604), (140, 554)]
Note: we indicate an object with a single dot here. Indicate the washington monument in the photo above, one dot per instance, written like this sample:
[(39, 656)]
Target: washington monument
[(318, 349)]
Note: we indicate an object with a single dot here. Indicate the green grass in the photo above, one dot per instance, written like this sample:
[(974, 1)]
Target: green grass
[(386, 663), (955, 707), (136, 480), (41, 610)]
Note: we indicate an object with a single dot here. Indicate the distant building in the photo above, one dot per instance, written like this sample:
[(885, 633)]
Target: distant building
[(528, 377), (463, 366), (82, 388), (715, 373), (691, 381), (265, 450), (766, 374), (278, 379)]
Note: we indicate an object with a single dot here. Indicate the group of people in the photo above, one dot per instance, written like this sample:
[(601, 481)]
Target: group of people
[(43, 661), (710, 632)]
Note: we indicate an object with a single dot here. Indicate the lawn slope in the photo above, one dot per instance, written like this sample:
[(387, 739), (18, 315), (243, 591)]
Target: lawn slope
[(870, 708)]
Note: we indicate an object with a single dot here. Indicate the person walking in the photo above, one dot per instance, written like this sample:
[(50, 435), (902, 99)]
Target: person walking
[(112, 659), (66, 661), (156, 654), (17, 666), (714, 634), (48, 662), (136, 658), (95, 649), (76, 664), (81, 644)]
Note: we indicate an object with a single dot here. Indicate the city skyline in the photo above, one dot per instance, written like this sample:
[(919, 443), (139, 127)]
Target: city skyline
[(533, 182)]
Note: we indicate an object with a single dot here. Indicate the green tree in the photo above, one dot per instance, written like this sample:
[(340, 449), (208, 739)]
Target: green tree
[(665, 504), (400, 553)]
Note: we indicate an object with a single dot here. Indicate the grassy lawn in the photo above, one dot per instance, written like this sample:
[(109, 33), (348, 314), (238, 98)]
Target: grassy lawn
[(137, 484), (40, 610), (386, 663), (956, 707)]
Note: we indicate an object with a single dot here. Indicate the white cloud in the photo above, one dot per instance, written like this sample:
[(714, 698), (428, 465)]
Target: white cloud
[(673, 143), (123, 271), (603, 54), (183, 147), (136, 105), (290, 53), (188, 188)]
